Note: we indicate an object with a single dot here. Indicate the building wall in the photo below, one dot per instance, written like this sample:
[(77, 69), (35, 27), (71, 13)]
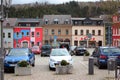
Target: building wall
[(47, 33), (25, 38), (83, 37), (8, 42)]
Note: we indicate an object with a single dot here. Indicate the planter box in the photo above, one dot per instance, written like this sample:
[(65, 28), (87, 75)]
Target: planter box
[(23, 71), (64, 69)]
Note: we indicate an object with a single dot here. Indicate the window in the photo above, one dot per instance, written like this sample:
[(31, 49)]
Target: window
[(38, 34), (99, 32), (76, 32), (55, 21), (3, 35), (17, 34), (46, 21), (81, 32), (33, 24), (32, 43), (9, 35), (67, 31), (46, 31), (22, 33), (87, 32), (52, 32), (59, 32), (38, 43), (23, 24), (27, 33), (93, 32), (32, 34), (66, 21)]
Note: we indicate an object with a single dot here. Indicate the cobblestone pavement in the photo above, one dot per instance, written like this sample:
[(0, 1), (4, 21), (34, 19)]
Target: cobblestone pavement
[(80, 72)]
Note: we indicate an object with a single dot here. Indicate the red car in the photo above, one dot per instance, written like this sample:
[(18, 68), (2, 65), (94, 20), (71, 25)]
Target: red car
[(36, 50)]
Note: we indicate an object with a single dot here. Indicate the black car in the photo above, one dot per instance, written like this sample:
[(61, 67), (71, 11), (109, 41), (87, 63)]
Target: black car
[(46, 50), (80, 50)]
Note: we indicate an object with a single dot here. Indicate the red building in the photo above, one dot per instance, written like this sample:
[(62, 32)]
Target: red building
[(116, 31), (27, 36)]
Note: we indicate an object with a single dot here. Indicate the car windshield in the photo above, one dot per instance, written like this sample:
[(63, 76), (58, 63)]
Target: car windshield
[(59, 52), (35, 47), (18, 52), (46, 47), (111, 50)]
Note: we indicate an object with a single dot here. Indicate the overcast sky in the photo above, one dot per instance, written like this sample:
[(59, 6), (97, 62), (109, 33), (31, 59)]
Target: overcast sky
[(49, 1)]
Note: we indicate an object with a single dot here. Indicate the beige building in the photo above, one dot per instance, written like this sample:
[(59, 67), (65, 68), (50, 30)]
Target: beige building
[(56, 29), (88, 32)]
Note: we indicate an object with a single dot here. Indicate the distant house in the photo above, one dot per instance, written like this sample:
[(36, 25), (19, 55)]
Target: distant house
[(8, 26)]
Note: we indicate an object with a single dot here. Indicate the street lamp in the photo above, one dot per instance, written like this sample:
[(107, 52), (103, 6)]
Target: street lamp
[(5, 3)]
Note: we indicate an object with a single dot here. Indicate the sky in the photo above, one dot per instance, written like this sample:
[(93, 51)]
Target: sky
[(49, 1)]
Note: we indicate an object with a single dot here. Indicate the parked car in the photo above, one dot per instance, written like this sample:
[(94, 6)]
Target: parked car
[(72, 50), (36, 50), (80, 51), (16, 55), (45, 50), (65, 45), (57, 55), (102, 54)]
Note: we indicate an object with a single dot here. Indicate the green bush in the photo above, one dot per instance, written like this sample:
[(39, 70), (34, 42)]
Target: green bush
[(64, 63), (23, 63), (87, 53)]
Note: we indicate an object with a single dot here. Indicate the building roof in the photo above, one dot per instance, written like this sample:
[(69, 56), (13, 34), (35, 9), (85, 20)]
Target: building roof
[(86, 18), (10, 21), (28, 20), (60, 18)]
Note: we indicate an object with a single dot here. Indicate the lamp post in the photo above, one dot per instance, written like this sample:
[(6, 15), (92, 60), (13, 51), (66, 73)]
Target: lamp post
[(3, 3)]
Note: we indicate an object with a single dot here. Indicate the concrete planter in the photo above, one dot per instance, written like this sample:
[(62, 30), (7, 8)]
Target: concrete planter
[(21, 71), (64, 69)]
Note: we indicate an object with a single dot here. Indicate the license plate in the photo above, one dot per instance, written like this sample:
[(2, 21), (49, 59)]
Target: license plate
[(12, 64)]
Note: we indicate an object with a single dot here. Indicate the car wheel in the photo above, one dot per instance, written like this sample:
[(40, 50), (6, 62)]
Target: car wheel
[(50, 68), (99, 66), (41, 55), (33, 65)]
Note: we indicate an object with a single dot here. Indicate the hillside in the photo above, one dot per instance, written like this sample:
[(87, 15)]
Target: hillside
[(76, 9)]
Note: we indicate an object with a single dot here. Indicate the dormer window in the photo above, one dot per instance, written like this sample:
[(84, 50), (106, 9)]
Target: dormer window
[(46, 21), (66, 21), (56, 21), (8, 24)]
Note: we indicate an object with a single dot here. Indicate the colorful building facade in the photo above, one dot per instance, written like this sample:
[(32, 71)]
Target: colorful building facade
[(27, 36)]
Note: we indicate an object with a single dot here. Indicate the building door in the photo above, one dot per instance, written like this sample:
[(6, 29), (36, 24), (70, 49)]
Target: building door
[(99, 43), (25, 44)]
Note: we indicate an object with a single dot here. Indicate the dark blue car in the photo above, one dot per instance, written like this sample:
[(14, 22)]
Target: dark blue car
[(102, 54), (18, 54)]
